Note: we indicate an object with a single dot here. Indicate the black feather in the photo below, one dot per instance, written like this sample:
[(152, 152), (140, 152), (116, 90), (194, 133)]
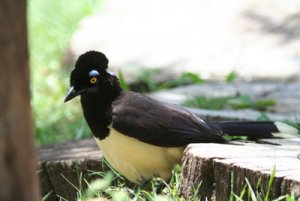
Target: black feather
[(254, 130), (158, 123), (93, 60)]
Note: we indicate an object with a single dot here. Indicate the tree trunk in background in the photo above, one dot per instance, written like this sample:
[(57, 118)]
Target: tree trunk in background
[(18, 179)]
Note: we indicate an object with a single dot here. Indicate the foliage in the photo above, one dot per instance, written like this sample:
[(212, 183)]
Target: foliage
[(51, 24), (184, 79), (147, 81), (231, 77), (257, 193), (113, 186), (123, 83)]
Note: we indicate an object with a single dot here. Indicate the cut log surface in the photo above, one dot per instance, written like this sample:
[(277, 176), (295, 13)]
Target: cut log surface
[(216, 165), (212, 165), (60, 166)]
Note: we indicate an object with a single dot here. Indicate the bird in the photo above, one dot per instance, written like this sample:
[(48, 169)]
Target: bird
[(142, 137)]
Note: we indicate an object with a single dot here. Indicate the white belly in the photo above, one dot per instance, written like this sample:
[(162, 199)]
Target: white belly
[(137, 160)]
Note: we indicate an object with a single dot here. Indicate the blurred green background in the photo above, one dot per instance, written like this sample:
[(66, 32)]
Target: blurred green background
[(51, 24)]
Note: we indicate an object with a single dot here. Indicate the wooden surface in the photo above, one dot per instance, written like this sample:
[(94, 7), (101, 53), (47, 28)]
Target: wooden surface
[(210, 164), (62, 164), (18, 180), (215, 164)]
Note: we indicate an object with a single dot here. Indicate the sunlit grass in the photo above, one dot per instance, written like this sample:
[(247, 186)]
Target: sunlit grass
[(113, 186), (51, 24)]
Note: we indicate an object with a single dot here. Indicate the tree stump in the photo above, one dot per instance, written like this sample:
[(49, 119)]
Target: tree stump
[(60, 167), (216, 165)]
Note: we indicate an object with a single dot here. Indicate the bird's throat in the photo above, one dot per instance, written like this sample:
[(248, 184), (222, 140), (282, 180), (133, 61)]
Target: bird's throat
[(98, 113)]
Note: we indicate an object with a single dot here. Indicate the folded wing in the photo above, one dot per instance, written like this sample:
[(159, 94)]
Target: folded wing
[(159, 123)]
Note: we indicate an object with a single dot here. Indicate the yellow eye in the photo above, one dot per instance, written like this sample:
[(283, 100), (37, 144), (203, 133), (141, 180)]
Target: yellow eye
[(93, 80)]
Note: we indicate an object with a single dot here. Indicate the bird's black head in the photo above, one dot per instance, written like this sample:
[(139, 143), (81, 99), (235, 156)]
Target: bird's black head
[(90, 75)]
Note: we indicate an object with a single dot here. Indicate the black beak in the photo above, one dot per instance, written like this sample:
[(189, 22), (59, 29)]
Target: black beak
[(71, 94)]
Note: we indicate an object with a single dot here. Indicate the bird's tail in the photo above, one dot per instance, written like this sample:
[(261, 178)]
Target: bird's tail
[(257, 130)]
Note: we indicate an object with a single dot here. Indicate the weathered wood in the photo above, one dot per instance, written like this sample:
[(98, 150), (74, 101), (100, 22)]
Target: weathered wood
[(18, 180), (216, 164), (62, 164)]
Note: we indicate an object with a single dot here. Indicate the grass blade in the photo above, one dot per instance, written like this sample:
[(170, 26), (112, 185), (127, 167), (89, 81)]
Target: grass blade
[(236, 197), (270, 183), (45, 197), (252, 193), (231, 186), (243, 192), (123, 83)]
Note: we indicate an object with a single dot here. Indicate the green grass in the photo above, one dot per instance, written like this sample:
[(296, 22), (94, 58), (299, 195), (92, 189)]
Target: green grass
[(257, 192), (231, 77), (51, 24), (147, 81), (113, 186)]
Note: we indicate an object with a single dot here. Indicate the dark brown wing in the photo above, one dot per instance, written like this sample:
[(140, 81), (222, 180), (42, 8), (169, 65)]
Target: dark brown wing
[(158, 123)]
